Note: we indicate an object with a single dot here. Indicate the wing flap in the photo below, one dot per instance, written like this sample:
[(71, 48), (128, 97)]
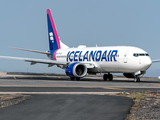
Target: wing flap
[(50, 65), (33, 63)]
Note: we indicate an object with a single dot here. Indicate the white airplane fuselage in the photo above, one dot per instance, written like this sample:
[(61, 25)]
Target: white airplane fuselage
[(115, 59)]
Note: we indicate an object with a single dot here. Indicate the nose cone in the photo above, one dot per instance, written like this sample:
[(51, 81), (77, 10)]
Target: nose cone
[(146, 63)]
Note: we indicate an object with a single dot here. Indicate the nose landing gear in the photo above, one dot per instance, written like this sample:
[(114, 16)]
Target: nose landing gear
[(136, 79), (108, 77)]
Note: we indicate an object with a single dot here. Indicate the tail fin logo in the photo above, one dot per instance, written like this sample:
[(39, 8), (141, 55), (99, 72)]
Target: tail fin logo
[(51, 37), (54, 42)]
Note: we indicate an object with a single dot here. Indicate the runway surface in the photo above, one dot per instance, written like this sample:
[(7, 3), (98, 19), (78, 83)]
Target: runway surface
[(56, 97), (61, 83)]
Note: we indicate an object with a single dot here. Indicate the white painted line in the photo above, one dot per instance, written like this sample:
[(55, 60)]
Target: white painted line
[(65, 93)]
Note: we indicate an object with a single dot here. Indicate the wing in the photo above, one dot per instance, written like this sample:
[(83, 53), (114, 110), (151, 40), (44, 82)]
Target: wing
[(154, 61), (49, 62), (34, 61)]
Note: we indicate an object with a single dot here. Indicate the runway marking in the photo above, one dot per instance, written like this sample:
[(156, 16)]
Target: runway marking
[(64, 93), (106, 88), (113, 88)]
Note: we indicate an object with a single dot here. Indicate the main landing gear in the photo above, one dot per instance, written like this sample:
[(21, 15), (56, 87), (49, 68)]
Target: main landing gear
[(108, 76), (73, 78)]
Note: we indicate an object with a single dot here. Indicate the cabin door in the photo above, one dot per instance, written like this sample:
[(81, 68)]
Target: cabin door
[(126, 56)]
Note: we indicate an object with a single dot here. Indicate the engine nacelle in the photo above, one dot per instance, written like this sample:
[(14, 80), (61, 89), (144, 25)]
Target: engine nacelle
[(76, 70), (129, 75)]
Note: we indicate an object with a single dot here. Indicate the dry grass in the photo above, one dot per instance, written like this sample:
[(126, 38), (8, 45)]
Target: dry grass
[(137, 95)]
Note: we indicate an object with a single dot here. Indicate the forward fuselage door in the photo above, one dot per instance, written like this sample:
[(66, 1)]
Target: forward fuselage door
[(140, 61), (126, 56)]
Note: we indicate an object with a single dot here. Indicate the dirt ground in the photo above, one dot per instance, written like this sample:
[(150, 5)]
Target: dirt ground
[(148, 108), (7, 100)]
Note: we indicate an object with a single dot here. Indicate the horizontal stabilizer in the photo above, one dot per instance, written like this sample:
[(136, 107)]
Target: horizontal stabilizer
[(47, 53)]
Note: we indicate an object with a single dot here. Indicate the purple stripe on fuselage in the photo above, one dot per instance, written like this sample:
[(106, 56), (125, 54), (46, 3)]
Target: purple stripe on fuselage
[(54, 28)]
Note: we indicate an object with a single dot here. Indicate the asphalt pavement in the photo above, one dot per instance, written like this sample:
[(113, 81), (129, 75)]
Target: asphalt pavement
[(55, 97), (69, 107), (73, 89)]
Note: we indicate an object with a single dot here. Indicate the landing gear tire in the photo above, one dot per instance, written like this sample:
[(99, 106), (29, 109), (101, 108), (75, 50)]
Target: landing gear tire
[(105, 77), (110, 76), (72, 78), (77, 78), (137, 80)]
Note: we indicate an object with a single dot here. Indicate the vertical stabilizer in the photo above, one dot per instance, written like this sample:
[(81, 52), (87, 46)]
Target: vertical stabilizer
[(54, 42)]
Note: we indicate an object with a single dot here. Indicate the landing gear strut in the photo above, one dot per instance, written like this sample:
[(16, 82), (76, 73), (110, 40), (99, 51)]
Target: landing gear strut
[(108, 76)]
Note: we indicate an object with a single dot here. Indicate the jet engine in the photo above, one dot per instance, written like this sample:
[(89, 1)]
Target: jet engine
[(76, 70)]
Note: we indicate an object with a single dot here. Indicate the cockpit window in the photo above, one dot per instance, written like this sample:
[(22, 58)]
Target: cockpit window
[(140, 54), (136, 55)]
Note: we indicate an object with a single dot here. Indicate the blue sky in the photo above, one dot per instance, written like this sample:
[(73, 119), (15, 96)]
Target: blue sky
[(23, 24)]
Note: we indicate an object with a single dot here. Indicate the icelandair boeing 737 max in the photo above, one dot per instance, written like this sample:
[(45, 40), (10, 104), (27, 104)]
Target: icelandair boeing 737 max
[(77, 62)]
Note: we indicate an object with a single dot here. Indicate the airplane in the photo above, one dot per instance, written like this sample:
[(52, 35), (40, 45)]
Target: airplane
[(78, 62)]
